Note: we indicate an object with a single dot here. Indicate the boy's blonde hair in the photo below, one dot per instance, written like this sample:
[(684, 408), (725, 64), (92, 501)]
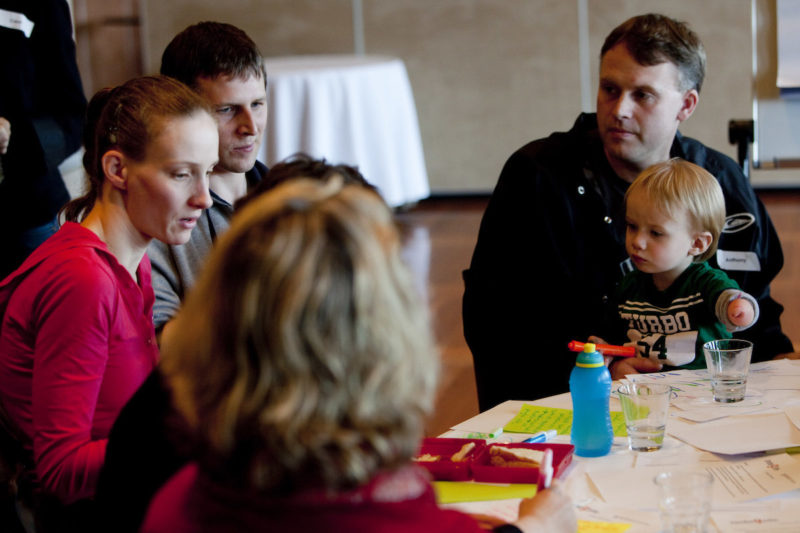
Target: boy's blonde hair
[(678, 184), (303, 357)]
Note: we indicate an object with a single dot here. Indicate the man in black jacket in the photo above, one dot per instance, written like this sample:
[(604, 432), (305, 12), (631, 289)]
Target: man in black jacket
[(551, 243), (42, 100)]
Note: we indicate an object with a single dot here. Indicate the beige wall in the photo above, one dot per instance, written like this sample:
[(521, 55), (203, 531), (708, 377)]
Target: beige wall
[(488, 75)]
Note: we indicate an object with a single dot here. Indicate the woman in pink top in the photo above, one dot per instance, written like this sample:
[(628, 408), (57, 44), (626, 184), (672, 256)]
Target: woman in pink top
[(77, 335)]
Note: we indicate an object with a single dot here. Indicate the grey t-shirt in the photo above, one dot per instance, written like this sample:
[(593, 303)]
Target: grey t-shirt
[(175, 267)]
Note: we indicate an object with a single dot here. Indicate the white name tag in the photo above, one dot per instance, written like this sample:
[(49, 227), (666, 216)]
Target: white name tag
[(738, 261), (16, 21)]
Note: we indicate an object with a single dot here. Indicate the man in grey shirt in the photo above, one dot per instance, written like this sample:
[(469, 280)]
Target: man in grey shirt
[(223, 65)]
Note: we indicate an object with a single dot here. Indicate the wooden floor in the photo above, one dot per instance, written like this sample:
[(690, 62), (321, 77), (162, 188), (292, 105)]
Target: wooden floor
[(444, 233)]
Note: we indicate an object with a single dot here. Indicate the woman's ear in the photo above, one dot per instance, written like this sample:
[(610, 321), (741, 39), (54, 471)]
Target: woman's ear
[(700, 243), (114, 169)]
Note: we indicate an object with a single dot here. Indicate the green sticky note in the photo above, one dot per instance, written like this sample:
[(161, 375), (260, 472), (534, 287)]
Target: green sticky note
[(456, 491), (535, 418)]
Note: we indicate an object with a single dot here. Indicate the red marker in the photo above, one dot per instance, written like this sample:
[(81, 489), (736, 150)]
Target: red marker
[(605, 349)]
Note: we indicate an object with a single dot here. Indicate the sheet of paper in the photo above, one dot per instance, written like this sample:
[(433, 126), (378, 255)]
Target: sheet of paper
[(770, 517), (756, 477), (595, 516), (704, 409), (734, 481), (491, 513), (740, 434), (773, 382), (778, 367), (793, 414), (778, 374), (533, 418), (679, 457)]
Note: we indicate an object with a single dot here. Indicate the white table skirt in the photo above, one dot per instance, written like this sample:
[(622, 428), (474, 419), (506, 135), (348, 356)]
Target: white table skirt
[(357, 110)]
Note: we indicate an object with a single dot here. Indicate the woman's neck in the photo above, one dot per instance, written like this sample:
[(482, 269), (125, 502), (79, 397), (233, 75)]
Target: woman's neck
[(110, 222)]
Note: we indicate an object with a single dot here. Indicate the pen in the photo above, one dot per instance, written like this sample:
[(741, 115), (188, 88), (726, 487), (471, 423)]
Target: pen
[(542, 436), (493, 435), (545, 471)]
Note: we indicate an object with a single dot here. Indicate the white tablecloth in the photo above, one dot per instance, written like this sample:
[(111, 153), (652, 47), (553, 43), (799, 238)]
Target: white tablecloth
[(621, 465), (357, 110)]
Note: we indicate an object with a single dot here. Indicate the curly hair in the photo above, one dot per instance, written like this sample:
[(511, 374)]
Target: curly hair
[(304, 357)]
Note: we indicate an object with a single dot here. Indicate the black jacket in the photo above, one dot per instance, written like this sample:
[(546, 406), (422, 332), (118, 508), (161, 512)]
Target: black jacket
[(551, 248), (42, 97)]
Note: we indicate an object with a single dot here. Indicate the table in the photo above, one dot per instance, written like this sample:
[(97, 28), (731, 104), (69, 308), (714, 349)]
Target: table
[(351, 109), (773, 391)]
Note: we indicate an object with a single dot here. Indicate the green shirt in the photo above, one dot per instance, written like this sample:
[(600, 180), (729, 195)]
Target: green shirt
[(672, 325)]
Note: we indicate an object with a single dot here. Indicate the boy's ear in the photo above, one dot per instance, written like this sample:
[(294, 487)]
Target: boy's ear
[(114, 169), (700, 243)]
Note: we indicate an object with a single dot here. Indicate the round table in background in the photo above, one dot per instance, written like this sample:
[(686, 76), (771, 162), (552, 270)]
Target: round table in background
[(357, 110)]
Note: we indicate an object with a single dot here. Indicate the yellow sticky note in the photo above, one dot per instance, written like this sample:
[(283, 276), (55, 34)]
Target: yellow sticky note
[(585, 526), (535, 418), (457, 491)]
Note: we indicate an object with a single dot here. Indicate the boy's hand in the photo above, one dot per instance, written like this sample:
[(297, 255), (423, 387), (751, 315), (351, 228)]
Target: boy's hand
[(633, 365), (741, 312), (607, 359)]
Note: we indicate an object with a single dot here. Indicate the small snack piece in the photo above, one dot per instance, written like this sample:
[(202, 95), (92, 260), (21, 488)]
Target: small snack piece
[(515, 457), (427, 458), (462, 453)]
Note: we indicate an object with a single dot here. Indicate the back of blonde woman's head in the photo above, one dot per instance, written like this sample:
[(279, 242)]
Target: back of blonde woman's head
[(303, 357)]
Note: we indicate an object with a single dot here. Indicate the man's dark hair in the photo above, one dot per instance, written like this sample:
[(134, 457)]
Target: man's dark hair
[(209, 50), (652, 39)]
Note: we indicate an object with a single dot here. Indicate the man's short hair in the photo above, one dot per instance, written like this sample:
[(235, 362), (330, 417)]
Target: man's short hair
[(210, 50), (652, 39)]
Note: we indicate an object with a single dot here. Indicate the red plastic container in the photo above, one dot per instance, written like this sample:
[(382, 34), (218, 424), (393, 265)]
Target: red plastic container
[(444, 469), (482, 470)]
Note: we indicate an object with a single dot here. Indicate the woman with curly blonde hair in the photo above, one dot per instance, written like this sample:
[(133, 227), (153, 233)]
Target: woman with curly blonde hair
[(304, 366)]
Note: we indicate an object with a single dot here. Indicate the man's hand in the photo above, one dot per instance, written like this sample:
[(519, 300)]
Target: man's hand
[(5, 135)]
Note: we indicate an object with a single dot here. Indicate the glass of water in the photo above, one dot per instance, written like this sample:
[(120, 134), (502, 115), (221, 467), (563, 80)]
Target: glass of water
[(728, 362), (645, 406), (684, 501)]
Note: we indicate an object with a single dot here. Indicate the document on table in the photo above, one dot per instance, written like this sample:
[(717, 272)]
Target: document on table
[(734, 481), (740, 434), (771, 386), (767, 375), (595, 515), (779, 516)]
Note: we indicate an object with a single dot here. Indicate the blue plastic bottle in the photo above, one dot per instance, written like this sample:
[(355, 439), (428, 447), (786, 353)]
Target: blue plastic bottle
[(590, 386)]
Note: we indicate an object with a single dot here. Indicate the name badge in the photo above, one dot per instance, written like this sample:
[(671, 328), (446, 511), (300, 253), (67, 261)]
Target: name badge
[(747, 261), (16, 21)]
